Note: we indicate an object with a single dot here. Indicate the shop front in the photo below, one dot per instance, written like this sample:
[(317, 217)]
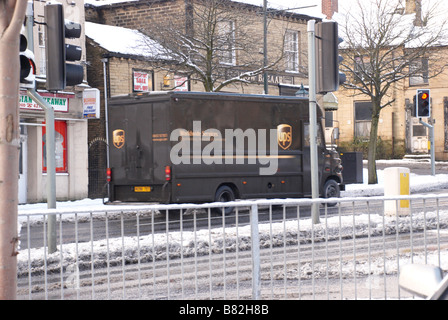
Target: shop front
[(70, 147)]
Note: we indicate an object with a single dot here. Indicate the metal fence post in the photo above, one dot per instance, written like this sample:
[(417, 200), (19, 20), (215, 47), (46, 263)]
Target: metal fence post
[(256, 266)]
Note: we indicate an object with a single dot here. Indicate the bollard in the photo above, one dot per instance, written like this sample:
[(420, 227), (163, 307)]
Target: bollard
[(397, 183)]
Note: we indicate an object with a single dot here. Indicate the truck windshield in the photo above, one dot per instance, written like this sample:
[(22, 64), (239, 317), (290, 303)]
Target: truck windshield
[(320, 139)]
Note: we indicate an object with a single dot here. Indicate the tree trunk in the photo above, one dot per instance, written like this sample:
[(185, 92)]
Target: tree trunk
[(11, 19), (373, 179)]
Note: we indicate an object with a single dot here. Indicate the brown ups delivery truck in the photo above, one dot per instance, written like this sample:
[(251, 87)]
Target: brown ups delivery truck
[(190, 147)]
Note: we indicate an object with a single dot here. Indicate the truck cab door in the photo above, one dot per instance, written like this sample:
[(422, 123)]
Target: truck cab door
[(321, 151)]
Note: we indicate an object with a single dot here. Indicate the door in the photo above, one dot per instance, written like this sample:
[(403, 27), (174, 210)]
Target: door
[(307, 157), (419, 137), (23, 165), (131, 147)]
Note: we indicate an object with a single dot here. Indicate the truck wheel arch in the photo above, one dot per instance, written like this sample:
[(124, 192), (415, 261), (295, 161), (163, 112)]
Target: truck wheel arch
[(331, 189), (227, 187), (224, 193)]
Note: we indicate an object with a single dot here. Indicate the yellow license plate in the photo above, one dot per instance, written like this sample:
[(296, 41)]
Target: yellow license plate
[(142, 189)]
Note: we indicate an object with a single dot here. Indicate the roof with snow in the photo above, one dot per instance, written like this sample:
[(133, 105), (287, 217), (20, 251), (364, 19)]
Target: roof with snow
[(125, 42)]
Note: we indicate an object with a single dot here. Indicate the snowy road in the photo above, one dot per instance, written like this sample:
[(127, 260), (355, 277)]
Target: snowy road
[(87, 227)]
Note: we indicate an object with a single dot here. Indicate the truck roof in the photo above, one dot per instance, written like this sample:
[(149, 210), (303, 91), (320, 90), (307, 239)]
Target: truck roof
[(164, 95)]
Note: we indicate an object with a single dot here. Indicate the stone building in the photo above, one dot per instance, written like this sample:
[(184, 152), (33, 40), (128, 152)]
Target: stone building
[(399, 131)]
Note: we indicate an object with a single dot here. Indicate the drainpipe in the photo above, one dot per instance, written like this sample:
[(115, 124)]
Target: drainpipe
[(106, 111)]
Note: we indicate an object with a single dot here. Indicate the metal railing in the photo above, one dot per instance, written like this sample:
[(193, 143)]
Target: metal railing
[(266, 249)]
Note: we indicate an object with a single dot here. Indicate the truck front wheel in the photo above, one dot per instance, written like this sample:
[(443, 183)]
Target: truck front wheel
[(332, 190), (224, 194)]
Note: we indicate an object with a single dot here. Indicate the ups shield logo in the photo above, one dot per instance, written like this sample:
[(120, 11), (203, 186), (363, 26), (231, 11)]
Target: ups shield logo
[(284, 136), (118, 138)]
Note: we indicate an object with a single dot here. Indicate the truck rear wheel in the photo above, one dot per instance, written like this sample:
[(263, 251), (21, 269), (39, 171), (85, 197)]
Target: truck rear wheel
[(224, 194), (331, 190)]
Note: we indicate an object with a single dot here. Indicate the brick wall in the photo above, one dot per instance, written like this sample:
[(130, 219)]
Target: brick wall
[(138, 15), (329, 7)]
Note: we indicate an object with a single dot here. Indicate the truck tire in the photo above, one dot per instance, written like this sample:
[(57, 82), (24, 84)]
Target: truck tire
[(331, 190), (224, 194)]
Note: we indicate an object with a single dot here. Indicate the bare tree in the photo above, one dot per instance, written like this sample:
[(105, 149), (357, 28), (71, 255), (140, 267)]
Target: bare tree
[(217, 44), (12, 13), (383, 47)]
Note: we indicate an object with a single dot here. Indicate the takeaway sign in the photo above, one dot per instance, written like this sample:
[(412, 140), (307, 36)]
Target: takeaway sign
[(58, 101)]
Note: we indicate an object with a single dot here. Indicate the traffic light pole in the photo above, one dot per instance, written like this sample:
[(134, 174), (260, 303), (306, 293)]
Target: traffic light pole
[(51, 165), (49, 143), (432, 139), (313, 119)]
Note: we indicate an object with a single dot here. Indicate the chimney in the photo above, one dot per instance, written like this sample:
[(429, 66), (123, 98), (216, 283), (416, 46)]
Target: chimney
[(329, 7), (415, 6)]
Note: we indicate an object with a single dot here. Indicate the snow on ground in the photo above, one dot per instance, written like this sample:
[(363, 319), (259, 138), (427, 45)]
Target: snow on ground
[(188, 243), (418, 183)]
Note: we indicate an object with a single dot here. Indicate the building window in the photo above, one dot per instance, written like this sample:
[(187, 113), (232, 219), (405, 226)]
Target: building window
[(41, 42), (419, 130), (60, 138), (363, 119), (226, 42), (363, 69), (292, 51), (419, 72)]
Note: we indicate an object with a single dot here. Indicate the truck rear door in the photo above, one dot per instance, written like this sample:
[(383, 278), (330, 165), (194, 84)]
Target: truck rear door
[(130, 148)]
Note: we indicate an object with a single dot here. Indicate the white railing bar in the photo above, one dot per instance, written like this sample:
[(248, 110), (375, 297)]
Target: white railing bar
[(243, 203)]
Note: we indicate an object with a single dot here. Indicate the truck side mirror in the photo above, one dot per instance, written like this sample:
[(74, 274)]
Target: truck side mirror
[(335, 133)]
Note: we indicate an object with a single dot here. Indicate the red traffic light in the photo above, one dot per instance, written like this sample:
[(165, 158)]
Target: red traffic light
[(423, 103), (27, 65)]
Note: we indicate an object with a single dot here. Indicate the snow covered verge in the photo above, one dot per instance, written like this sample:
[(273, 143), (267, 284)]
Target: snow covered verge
[(418, 183), (147, 248)]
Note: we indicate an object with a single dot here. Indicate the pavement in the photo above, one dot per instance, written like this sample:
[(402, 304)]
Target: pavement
[(421, 166)]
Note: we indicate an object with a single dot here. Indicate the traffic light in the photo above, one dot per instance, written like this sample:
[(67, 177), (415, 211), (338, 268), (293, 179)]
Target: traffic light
[(423, 105), (328, 77), (27, 65), (59, 73)]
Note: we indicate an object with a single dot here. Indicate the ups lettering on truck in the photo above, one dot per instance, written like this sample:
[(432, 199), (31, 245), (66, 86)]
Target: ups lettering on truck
[(284, 133), (118, 138)]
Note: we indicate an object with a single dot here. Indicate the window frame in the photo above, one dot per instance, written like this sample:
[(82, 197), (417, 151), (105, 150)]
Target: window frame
[(421, 68), (361, 121), (226, 37), (291, 51)]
